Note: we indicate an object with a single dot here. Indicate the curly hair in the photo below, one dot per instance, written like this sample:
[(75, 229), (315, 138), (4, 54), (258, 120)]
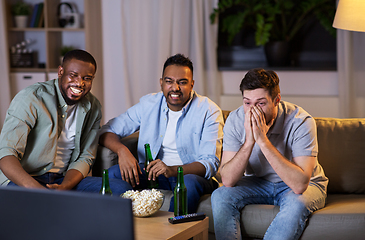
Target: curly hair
[(79, 55)]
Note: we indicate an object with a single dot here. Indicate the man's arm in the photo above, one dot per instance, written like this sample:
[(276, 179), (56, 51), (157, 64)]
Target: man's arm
[(14, 171), (234, 163), (128, 164), (295, 174), (158, 167), (71, 179)]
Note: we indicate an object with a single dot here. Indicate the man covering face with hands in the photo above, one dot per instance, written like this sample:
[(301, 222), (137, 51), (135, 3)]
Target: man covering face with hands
[(269, 157)]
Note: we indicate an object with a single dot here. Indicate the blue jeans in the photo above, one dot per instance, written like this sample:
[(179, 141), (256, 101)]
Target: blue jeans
[(289, 223), (196, 186), (88, 184)]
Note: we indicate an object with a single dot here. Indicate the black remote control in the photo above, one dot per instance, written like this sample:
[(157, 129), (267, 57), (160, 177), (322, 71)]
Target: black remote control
[(187, 218)]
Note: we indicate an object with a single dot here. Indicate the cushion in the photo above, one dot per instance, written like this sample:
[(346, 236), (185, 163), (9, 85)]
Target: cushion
[(341, 152), (342, 218)]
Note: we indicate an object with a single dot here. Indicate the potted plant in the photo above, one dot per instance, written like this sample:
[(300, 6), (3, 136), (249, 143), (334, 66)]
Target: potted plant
[(275, 22), (21, 11)]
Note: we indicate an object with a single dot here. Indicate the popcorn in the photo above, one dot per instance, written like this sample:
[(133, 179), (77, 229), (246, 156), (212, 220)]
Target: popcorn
[(145, 202)]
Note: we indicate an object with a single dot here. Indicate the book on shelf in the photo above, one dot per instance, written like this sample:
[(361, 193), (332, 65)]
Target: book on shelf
[(39, 13), (41, 20), (34, 15)]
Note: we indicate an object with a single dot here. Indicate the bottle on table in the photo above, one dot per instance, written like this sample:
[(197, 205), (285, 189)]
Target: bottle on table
[(180, 195), (150, 183), (105, 188)]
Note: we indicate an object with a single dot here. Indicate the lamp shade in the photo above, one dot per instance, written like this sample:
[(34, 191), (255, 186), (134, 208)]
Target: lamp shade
[(350, 15)]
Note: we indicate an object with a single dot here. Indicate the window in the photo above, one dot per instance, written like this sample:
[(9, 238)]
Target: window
[(312, 49)]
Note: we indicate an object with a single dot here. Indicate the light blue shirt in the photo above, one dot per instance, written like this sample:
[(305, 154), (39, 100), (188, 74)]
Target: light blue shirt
[(199, 130), (293, 133)]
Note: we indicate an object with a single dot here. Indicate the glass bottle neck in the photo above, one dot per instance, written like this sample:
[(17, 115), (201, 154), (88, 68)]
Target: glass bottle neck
[(180, 176), (105, 179)]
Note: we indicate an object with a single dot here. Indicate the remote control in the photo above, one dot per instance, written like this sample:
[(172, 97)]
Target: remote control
[(187, 218)]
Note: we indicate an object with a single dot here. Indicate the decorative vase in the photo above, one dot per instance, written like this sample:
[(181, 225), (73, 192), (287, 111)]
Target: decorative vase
[(21, 21), (277, 53)]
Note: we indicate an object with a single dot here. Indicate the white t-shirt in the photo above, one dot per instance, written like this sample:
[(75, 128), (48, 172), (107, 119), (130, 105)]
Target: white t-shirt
[(66, 141), (169, 154)]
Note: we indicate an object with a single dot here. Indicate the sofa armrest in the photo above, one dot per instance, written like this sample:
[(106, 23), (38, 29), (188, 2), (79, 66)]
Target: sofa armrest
[(105, 158)]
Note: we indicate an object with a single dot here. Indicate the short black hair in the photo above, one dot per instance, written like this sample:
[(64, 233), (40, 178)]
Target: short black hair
[(179, 60), (79, 55), (261, 78)]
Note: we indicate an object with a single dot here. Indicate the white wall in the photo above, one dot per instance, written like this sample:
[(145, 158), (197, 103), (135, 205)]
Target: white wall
[(315, 91)]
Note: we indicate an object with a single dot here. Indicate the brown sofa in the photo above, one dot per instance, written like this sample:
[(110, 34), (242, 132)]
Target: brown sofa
[(342, 155)]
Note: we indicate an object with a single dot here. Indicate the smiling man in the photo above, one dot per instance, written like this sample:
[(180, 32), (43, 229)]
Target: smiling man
[(182, 128), (49, 138), (269, 157)]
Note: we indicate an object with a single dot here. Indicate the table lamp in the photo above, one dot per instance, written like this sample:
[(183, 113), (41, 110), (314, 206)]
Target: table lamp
[(350, 15)]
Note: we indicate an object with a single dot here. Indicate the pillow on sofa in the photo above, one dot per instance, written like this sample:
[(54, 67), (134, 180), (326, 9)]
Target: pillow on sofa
[(341, 152)]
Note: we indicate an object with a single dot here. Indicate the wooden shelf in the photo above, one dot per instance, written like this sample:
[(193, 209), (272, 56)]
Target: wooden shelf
[(15, 70), (48, 40), (65, 29), (14, 29)]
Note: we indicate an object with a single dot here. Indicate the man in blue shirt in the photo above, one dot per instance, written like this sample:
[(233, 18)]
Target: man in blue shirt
[(182, 128)]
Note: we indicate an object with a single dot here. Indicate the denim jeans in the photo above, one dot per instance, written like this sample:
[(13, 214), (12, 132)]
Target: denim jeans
[(88, 184), (289, 223), (196, 186)]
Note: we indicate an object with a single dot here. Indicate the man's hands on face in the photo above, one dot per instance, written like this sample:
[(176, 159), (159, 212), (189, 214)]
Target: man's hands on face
[(259, 127), (129, 169), (157, 168), (248, 128)]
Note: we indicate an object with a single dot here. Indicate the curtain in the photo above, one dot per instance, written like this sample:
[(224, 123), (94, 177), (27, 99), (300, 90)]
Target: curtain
[(139, 35), (4, 67)]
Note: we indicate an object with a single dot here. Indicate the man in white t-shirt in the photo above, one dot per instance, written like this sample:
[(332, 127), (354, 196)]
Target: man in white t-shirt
[(182, 128)]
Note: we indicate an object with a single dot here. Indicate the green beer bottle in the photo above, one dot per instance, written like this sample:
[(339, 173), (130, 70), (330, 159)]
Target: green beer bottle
[(180, 195), (105, 188), (150, 183)]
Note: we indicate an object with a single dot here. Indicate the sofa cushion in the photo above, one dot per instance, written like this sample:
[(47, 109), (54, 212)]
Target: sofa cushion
[(343, 217), (341, 152), (105, 158), (341, 213)]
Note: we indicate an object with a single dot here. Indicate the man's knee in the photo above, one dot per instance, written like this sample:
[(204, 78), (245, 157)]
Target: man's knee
[(221, 195), (296, 204), (193, 181), (119, 186)]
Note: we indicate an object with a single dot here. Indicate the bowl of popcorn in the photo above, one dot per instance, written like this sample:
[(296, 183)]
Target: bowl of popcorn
[(145, 202)]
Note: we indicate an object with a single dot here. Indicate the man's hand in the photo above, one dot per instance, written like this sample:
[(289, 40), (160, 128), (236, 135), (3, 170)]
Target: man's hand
[(128, 164), (158, 167), (55, 186), (129, 168), (71, 179), (259, 126), (248, 128)]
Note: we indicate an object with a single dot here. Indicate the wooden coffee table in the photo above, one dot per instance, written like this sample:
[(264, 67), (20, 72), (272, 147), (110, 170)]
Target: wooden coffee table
[(158, 227)]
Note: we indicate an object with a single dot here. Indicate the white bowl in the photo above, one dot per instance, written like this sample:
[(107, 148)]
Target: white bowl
[(145, 202)]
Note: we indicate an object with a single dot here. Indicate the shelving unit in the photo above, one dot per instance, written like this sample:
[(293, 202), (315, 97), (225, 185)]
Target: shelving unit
[(49, 39)]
